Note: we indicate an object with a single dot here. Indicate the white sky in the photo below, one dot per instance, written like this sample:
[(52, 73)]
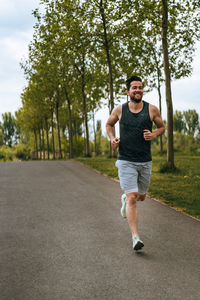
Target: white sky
[(16, 30)]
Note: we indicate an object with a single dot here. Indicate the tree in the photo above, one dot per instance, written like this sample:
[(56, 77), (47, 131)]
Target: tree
[(98, 137), (191, 121), (170, 150), (1, 135), (175, 23), (64, 41), (178, 120), (8, 128)]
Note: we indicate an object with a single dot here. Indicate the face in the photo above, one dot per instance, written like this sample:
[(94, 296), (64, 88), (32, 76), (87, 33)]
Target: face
[(136, 91)]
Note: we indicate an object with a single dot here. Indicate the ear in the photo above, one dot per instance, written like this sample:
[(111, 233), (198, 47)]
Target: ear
[(127, 92)]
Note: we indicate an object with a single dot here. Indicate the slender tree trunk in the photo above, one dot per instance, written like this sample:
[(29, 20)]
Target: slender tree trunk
[(87, 143), (76, 140), (70, 125), (170, 150), (58, 128), (95, 138), (84, 139), (107, 50), (36, 143), (161, 140), (160, 107), (47, 137), (40, 142), (85, 116), (159, 94), (52, 128), (43, 144)]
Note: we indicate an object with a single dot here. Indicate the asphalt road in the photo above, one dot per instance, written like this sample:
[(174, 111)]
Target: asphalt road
[(62, 237)]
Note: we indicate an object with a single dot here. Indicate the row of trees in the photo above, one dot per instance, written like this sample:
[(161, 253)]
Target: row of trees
[(83, 51), (187, 122), (186, 130)]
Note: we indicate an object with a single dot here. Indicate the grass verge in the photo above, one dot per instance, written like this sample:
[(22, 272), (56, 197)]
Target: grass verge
[(179, 189)]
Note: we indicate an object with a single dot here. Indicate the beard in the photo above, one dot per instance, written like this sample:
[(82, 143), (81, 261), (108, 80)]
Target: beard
[(135, 100)]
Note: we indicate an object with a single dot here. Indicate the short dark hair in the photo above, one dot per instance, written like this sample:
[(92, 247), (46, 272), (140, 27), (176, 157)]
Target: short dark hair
[(129, 80)]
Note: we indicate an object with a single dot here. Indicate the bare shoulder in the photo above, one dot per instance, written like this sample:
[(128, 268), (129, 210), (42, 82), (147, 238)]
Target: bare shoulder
[(115, 115), (117, 111), (154, 108), (154, 111)]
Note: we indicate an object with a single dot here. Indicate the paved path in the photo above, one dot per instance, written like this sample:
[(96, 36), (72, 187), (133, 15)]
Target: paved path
[(62, 237)]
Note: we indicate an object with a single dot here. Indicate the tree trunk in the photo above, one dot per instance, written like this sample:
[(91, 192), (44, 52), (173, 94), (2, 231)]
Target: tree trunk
[(53, 143), (87, 144), (160, 107), (107, 49), (58, 128), (36, 144), (70, 125), (95, 138), (170, 150), (159, 94), (85, 116), (84, 139), (43, 144), (47, 136), (75, 134), (40, 142)]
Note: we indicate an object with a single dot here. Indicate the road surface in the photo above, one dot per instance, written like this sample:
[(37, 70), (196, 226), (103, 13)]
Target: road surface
[(62, 238)]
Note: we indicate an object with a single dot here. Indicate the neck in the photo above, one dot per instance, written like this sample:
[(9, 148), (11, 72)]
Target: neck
[(136, 104), (135, 107)]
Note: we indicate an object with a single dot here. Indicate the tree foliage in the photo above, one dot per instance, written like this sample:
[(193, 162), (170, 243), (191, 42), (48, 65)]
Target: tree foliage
[(186, 122), (8, 128), (83, 51)]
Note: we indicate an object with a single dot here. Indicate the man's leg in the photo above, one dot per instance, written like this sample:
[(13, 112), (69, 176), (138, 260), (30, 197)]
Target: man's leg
[(131, 211), (132, 217)]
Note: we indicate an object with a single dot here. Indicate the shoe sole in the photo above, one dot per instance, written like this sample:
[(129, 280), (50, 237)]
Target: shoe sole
[(138, 246)]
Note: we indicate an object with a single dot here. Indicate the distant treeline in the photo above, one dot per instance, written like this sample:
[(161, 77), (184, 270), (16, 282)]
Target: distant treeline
[(14, 143)]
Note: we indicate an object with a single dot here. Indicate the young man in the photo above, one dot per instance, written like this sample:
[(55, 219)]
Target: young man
[(134, 161)]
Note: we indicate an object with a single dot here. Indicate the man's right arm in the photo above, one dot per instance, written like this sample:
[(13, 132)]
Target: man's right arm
[(112, 120)]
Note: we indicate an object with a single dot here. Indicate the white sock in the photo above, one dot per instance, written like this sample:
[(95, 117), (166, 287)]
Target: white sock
[(133, 236)]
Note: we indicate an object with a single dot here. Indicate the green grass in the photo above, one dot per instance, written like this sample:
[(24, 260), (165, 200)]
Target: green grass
[(180, 189)]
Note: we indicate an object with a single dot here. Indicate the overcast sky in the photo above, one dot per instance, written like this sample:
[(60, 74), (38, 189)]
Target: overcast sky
[(16, 30)]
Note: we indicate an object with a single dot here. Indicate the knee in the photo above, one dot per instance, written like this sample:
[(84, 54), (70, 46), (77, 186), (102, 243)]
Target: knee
[(131, 200)]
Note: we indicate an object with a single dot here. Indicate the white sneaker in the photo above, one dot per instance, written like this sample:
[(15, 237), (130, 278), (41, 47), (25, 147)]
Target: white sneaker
[(123, 208), (137, 243)]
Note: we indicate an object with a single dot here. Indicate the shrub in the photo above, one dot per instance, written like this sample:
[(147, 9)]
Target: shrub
[(22, 152), (6, 153)]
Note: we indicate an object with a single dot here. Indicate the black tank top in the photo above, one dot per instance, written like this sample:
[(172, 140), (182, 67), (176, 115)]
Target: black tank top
[(132, 146)]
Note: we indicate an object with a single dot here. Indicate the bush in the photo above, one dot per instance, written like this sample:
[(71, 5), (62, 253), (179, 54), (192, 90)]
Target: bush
[(22, 152), (6, 153)]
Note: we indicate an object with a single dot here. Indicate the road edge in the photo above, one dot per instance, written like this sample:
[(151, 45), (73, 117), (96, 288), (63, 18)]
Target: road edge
[(178, 209)]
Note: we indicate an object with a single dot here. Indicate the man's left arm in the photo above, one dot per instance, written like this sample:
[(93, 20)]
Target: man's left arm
[(156, 118)]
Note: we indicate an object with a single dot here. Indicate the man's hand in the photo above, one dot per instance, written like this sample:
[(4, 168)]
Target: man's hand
[(148, 135), (115, 142)]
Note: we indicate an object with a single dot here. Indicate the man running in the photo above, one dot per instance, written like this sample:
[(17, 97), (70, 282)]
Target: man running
[(134, 160)]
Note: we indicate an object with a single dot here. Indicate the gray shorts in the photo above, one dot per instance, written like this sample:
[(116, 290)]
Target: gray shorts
[(134, 176)]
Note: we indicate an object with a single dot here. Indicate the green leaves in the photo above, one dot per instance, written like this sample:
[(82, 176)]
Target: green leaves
[(8, 128), (88, 48)]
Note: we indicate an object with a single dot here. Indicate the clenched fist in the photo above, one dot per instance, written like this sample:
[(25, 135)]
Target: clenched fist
[(148, 135), (115, 142)]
